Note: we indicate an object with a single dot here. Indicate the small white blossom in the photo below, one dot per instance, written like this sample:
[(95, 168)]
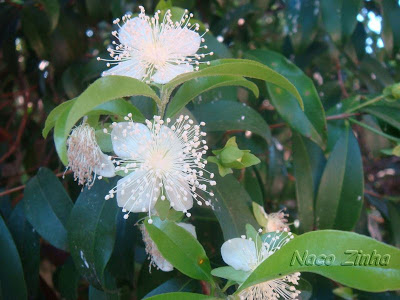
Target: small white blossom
[(156, 259), (243, 254), (155, 50), (162, 160), (85, 157)]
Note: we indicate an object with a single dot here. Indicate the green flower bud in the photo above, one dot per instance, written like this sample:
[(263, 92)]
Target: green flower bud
[(231, 157)]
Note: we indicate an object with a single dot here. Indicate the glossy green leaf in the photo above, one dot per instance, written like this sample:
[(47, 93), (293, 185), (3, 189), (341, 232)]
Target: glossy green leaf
[(101, 91), (308, 164), (231, 205), (92, 231), (230, 274), (238, 67), (119, 107), (232, 116), (54, 115), (27, 242), (311, 122), (182, 296), (340, 194), (191, 89), (12, 282), (367, 274), (180, 248), (47, 207)]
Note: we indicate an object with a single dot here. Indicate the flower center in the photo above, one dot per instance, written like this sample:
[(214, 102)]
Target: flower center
[(155, 54), (160, 160)]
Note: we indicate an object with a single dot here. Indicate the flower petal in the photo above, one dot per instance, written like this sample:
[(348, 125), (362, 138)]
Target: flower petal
[(135, 32), (107, 168), (130, 139), (239, 253), (178, 192), (138, 192), (180, 42), (169, 72), (131, 68)]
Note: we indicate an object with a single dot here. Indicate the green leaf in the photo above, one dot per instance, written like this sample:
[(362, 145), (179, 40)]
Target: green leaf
[(182, 296), (12, 282), (177, 284), (180, 248), (308, 164), (27, 242), (231, 206), (60, 139), (238, 67), (119, 107), (391, 25), (163, 5), (373, 277), (302, 21), (66, 280), (388, 114), (253, 186), (311, 122), (102, 90), (232, 116), (52, 8), (340, 194), (92, 231), (47, 207), (122, 262), (339, 18), (54, 115), (191, 89), (230, 274)]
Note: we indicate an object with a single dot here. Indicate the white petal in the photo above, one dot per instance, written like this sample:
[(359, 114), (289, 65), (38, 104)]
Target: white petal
[(169, 72), (130, 139), (136, 192), (131, 68), (135, 32), (239, 253), (107, 168), (179, 194), (188, 227), (180, 42)]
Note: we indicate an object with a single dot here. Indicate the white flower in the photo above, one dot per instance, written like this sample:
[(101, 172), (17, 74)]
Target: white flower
[(156, 259), (165, 161), (154, 50), (85, 157), (243, 254)]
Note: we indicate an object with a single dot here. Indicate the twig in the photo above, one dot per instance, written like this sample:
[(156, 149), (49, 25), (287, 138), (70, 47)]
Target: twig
[(340, 79), (21, 187), (18, 139), (328, 118)]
